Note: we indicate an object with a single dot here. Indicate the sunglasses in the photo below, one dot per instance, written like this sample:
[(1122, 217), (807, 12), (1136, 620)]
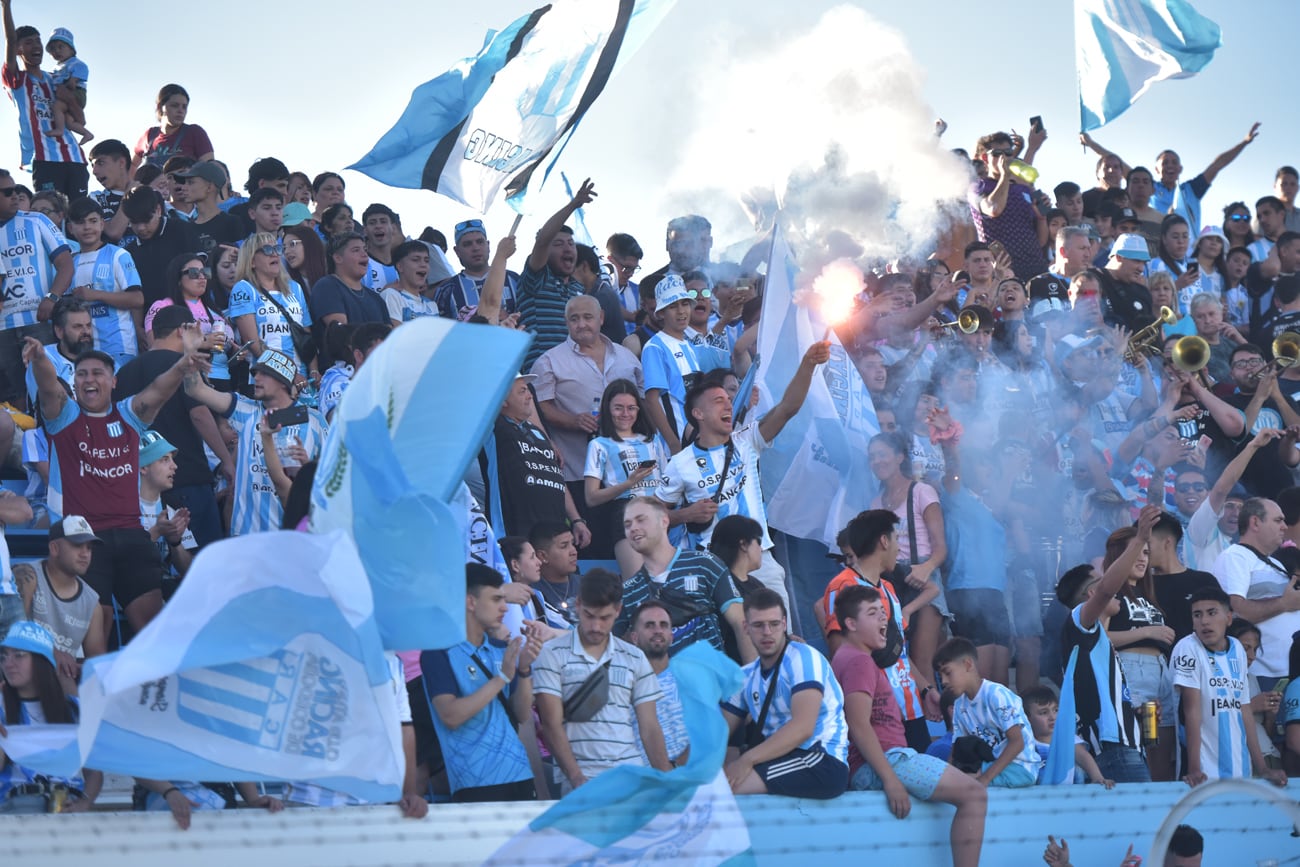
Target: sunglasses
[(703, 293), (1192, 488), (9, 191), (1239, 218), (268, 250), (195, 273), (467, 225)]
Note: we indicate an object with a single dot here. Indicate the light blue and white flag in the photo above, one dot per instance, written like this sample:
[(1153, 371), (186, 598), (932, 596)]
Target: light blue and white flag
[(637, 815), (1059, 770), (50, 749), (815, 476), (1122, 47), (491, 120), (265, 665), (410, 422)]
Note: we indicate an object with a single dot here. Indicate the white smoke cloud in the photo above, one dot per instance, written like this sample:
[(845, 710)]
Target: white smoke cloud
[(832, 123)]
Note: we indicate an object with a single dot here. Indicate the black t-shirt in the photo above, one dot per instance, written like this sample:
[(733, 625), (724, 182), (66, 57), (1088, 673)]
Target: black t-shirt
[(528, 485), (1136, 613), (1174, 596), (222, 229), (151, 257), (173, 419), (1129, 304), (1266, 474), (1222, 447)]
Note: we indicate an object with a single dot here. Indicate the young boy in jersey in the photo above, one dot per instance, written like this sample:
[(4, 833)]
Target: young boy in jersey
[(106, 279), (168, 528), (1042, 707), (992, 713), (1210, 674), (69, 79), (672, 363)]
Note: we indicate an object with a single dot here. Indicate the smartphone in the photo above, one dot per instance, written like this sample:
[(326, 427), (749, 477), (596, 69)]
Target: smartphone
[(647, 464), (1036, 123), (287, 417), (1193, 266)]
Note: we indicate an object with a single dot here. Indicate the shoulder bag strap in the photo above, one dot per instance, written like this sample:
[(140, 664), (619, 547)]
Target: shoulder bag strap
[(726, 465), (294, 325), (911, 521), (501, 696), (771, 688)]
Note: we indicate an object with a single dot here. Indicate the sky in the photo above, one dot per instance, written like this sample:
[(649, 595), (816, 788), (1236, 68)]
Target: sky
[(317, 83)]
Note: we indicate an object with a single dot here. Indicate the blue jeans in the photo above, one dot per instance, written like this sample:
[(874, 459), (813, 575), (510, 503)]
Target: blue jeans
[(1122, 764)]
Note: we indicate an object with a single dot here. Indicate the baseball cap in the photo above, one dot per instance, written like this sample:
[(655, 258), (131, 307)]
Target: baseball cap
[(1130, 246), (170, 318), (74, 528), (30, 636), (1072, 343), (1126, 215), (1213, 232), (295, 213), (153, 446), (1047, 306), (278, 365), (526, 377), (206, 170), (669, 290), (1046, 286), (62, 34)]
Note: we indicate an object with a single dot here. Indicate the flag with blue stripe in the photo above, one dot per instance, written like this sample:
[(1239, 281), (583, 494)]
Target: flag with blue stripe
[(1122, 47), (637, 815), (253, 673), (491, 121), (1059, 770), (50, 749), (814, 477), (408, 425)]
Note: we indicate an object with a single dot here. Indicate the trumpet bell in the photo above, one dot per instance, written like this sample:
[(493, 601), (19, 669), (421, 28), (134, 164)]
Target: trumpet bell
[(1192, 353), (1286, 349)]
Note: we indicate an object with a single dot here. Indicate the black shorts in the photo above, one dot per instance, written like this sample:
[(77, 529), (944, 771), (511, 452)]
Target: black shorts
[(124, 566), (427, 749), (804, 773), (71, 179), (980, 616), (524, 790)]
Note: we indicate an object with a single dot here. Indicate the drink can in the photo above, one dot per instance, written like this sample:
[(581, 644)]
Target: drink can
[(58, 797), (1150, 716)]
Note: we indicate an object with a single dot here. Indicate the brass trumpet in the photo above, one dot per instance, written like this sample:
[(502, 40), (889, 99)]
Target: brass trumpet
[(1147, 341), (968, 322), (1286, 352), (1191, 353)]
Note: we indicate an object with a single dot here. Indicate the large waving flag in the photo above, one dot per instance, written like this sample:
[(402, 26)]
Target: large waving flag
[(409, 423), (265, 665), (491, 120), (815, 475), (1122, 47), (637, 815)]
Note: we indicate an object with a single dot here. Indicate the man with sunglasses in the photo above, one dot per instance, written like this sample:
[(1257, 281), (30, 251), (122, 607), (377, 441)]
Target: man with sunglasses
[(57, 162), (457, 297), (1004, 210)]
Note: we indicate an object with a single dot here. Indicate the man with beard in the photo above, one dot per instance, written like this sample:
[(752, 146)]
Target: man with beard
[(652, 632), (548, 282), (457, 297), (73, 335)]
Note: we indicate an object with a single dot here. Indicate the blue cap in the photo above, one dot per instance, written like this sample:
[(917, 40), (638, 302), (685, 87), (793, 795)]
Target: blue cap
[(1130, 246), (62, 34), (30, 636), (153, 446)]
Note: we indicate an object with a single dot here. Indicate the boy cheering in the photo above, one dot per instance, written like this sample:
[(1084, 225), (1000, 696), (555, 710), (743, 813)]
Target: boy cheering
[(1210, 674)]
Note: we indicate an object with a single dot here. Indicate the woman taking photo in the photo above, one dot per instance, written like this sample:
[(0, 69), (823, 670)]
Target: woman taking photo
[(186, 280), (1173, 256), (1142, 643), (264, 300), (32, 695), (921, 545), (625, 460), (173, 136)]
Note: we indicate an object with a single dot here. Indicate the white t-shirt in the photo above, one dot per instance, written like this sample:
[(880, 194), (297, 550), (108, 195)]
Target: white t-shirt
[(1224, 693), (1204, 541), (694, 474), (1241, 572)]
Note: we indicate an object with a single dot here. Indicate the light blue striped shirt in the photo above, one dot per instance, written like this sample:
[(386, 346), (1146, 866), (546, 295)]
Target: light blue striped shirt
[(256, 508), (29, 244), (802, 668)]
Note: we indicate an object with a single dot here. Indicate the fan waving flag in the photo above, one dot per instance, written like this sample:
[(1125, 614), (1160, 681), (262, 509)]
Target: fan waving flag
[(1122, 47), (265, 665), (407, 427), (491, 120), (637, 815), (814, 476)]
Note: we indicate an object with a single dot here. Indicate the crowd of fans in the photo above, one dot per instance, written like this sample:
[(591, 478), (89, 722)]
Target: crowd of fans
[(1074, 485)]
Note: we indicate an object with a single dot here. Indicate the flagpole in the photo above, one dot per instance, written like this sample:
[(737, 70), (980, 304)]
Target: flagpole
[(519, 218)]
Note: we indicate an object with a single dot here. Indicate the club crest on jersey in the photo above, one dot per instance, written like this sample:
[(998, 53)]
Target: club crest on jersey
[(115, 428), (473, 672), (701, 462)]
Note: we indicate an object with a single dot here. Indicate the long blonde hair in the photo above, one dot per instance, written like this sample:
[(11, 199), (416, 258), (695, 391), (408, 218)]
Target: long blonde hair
[(244, 265)]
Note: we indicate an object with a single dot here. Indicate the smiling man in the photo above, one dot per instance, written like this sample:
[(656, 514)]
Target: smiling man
[(548, 282), (457, 297), (95, 470)]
